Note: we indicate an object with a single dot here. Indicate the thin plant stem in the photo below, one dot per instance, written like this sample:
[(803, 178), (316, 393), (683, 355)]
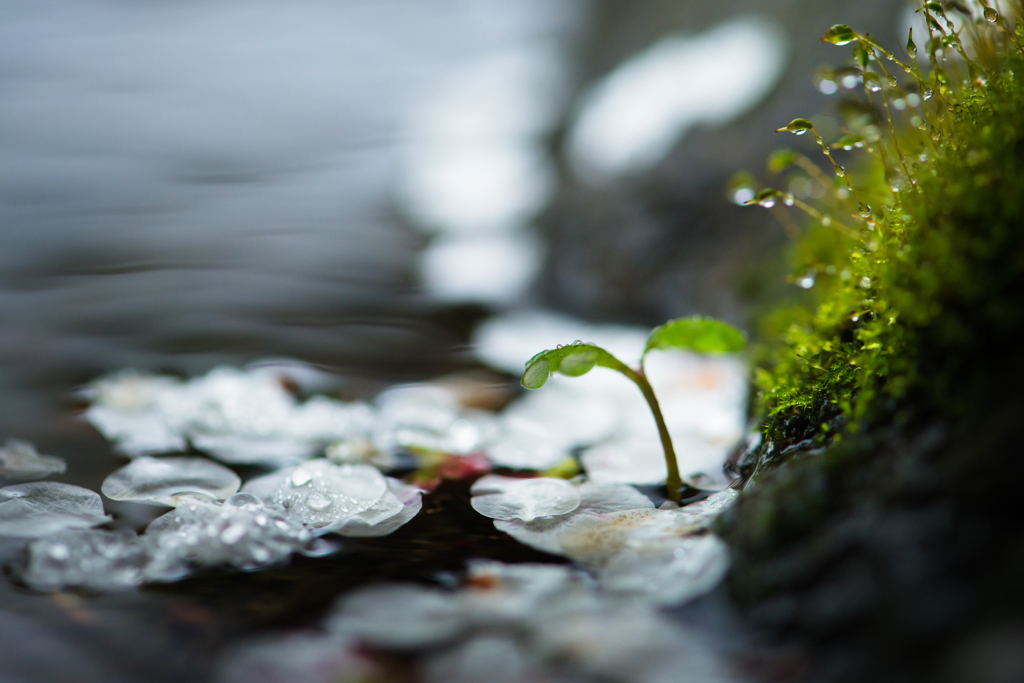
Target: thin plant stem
[(675, 481)]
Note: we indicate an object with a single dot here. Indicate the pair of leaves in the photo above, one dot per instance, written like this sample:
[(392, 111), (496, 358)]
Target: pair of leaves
[(703, 335)]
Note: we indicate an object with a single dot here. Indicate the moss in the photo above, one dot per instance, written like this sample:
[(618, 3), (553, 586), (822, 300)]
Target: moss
[(881, 525), (922, 299)]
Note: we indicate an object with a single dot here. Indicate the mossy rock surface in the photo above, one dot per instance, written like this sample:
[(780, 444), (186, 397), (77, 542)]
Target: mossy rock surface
[(882, 523)]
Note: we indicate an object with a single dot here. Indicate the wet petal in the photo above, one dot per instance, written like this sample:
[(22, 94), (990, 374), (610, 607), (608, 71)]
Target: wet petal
[(299, 658), (45, 507), (500, 594), (87, 558), (254, 450), (401, 617), (524, 446), (524, 499), (595, 500), (164, 481), (670, 572), (321, 494), (626, 461), (398, 506), (20, 460), (139, 433), (242, 533), (495, 659)]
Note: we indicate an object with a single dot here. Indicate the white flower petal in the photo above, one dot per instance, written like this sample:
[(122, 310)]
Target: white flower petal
[(400, 617), (321, 494), (45, 507), (397, 507), (242, 533), (87, 558), (164, 481), (21, 460), (524, 499)]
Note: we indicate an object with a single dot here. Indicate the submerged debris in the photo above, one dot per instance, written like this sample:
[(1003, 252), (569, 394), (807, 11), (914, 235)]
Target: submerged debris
[(46, 507), (21, 460), (166, 481)]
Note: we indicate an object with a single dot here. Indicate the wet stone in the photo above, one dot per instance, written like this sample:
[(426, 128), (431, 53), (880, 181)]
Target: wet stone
[(42, 508), (166, 481), (507, 498), (21, 460)]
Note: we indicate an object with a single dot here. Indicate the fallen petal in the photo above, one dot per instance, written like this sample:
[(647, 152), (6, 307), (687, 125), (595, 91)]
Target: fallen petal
[(321, 494), (595, 500), (670, 573), (398, 506), (500, 497), (401, 617), (242, 533), (21, 460), (87, 558), (164, 481), (45, 507)]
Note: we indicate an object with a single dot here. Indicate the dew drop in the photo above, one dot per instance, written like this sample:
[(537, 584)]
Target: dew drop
[(991, 16), (864, 210), (788, 200), (826, 221), (865, 282), (318, 501), (301, 477), (767, 202), (927, 94), (874, 87), (807, 281), (893, 83), (936, 136), (840, 171)]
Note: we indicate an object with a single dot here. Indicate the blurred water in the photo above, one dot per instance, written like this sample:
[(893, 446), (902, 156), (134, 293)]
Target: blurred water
[(184, 183)]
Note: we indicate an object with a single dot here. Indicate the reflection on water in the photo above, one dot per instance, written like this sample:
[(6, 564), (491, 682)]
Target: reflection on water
[(192, 183), (189, 183)]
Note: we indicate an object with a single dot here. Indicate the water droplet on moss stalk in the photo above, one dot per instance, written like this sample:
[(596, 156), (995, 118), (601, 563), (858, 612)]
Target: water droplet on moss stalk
[(807, 281), (864, 210), (991, 15), (928, 93)]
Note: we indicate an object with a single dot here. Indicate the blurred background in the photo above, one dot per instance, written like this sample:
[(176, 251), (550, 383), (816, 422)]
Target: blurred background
[(358, 184)]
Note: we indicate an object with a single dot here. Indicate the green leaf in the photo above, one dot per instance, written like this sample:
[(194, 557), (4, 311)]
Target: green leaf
[(840, 34), (571, 360), (797, 126), (703, 335)]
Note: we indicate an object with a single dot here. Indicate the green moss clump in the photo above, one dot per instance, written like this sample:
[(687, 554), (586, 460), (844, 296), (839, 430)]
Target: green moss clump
[(919, 301), (880, 525)]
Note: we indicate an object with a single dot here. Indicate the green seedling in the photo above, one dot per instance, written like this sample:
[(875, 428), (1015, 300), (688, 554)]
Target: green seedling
[(703, 335)]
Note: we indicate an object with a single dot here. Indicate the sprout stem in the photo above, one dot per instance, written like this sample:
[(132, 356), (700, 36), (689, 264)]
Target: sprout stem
[(675, 482)]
